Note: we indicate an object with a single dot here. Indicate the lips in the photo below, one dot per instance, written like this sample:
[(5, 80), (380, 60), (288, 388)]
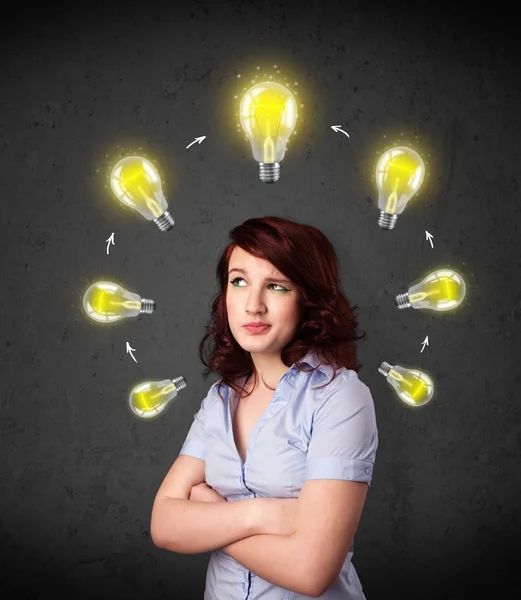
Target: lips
[(256, 328)]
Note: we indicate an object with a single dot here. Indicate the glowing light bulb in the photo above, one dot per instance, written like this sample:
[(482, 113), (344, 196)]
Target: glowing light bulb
[(268, 115), (107, 302), (441, 290), (399, 175), (136, 183), (412, 386), (149, 399)]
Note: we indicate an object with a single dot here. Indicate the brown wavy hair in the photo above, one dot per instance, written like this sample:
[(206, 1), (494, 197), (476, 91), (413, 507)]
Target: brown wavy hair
[(328, 324)]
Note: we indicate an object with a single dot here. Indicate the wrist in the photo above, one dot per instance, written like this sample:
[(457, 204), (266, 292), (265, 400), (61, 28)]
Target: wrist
[(254, 515)]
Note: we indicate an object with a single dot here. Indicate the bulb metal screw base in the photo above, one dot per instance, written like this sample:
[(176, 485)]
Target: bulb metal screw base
[(147, 306), (269, 172), (165, 222), (179, 382), (384, 368), (387, 220), (402, 301)]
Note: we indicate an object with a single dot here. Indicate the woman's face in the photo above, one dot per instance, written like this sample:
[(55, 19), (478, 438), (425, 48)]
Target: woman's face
[(260, 293)]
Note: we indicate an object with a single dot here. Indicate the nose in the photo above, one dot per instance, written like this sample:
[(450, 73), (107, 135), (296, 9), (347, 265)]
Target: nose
[(255, 302)]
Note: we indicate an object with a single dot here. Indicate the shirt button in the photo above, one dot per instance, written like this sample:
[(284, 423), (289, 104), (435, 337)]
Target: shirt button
[(368, 470), (243, 585)]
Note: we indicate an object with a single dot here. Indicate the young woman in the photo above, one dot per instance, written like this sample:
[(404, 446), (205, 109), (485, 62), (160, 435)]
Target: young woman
[(274, 472)]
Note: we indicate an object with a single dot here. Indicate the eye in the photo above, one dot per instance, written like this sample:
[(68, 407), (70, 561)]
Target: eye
[(282, 289)]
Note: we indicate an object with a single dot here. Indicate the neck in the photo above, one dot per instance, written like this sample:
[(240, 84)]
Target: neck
[(269, 368)]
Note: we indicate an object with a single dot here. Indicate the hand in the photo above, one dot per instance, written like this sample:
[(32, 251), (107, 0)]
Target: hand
[(204, 493), (277, 516)]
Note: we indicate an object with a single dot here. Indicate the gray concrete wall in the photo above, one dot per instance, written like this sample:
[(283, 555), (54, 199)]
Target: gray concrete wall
[(85, 85)]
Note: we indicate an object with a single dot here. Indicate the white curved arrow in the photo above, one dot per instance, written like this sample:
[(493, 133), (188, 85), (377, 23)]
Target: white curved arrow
[(336, 129), (197, 140), (111, 239), (130, 350)]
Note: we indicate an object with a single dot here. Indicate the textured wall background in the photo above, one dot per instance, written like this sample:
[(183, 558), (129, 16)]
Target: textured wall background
[(84, 85)]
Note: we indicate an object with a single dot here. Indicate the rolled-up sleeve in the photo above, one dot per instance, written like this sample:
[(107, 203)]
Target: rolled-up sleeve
[(194, 444), (344, 436)]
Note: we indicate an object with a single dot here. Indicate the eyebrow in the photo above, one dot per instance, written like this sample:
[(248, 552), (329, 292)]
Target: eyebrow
[(265, 279)]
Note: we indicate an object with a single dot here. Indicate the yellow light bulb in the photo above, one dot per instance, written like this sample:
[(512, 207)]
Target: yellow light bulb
[(441, 290), (268, 115), (106, 302), (399, 175), (412, 386), (149, 399), (136, 183)]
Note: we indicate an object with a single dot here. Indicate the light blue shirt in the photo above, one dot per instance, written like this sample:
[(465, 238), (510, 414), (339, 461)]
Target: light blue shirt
[(330, 433)]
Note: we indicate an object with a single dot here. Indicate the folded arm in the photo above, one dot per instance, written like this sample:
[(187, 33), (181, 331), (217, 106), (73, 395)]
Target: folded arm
[(181, 525), (339, 466), (308, 561)]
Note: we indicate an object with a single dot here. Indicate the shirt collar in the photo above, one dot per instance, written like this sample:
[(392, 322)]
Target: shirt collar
[(312, 358)]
